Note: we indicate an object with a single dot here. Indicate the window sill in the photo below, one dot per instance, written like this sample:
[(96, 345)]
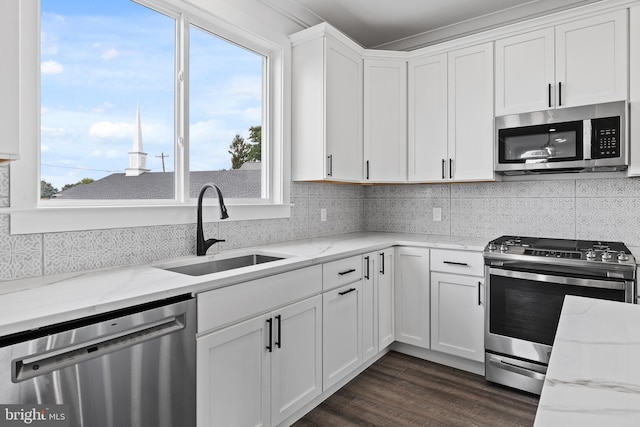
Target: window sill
[(67, 218)]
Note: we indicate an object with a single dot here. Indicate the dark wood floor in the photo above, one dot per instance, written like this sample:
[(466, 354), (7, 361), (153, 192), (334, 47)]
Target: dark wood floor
[(400, 390)]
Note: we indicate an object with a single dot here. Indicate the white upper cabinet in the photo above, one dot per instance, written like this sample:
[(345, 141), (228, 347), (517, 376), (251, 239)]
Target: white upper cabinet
[(9, 104), (591, 60), (427, 121), (385, 120), (451, 116), (525, 72), (634, 92), (577, 63), (326, 106), (471, 113)]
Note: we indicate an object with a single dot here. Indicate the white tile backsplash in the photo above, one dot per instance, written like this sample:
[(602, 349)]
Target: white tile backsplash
[(584, 209)]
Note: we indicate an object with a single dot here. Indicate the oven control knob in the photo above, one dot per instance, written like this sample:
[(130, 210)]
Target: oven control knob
[(492, 247), (504, 248), (591, 254), (606, 256), (622, 256)]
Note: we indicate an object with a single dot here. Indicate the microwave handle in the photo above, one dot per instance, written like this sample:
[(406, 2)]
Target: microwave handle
[(586, 139)]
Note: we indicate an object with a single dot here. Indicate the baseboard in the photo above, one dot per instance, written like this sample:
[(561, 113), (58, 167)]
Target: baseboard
[(438, 357)]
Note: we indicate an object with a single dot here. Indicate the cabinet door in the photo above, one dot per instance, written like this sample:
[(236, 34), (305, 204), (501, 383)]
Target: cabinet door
[(296, 366), (341, 332), (457, 315), (385, 120), (343, 111), (525, 72), (10, 102), (634, 91), (427, 118), (370, 306), (591, 60), (233, 381), (471, 113), (386, 300), (412, 296)]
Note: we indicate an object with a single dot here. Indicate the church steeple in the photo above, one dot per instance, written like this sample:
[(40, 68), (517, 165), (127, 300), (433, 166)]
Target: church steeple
[(137, 157)]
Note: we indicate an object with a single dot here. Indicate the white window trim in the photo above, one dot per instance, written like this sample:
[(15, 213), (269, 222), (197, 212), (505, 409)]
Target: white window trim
[(29, 216)]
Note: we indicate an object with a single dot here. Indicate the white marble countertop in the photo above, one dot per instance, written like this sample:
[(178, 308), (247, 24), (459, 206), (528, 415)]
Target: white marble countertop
[(32, 303), (593, 377)]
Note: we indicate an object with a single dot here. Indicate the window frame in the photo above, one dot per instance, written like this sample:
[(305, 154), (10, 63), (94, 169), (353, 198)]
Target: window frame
[(31, 215)]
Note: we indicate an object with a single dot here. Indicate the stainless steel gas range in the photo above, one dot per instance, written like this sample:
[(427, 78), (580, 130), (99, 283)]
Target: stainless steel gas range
[(526, 281)]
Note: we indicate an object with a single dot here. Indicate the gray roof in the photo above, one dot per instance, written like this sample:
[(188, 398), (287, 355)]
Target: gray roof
[(235, 183)]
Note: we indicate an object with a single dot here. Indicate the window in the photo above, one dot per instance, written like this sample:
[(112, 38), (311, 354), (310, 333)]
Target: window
[(105, 67), (131, 88)]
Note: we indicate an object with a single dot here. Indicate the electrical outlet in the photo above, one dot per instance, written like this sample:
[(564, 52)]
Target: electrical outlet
[(323, 214), (437, 214)]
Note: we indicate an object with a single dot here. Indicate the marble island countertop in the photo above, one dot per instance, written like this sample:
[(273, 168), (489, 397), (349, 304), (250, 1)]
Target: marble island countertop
[(593, 377), (33, 303)]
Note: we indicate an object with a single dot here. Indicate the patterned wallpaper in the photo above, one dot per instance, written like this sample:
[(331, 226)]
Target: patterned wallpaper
[(607, 209)]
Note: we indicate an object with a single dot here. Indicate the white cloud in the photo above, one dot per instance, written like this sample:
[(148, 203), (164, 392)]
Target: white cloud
[(51, 67), (246, 87), (103, 107), (110, 54), (109, 154), (105, 130), (47, 131)]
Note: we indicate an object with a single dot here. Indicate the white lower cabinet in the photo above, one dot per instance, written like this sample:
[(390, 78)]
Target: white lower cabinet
[(457, 315), (386, 300), (341, 332), (378, 311), (412, 296), (457, 303), (260, 371)]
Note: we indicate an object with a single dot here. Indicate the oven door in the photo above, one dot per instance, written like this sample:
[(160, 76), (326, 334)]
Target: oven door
[(523, 308)]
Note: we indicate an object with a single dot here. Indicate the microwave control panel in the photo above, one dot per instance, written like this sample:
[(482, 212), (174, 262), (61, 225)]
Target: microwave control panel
[(605, 137)]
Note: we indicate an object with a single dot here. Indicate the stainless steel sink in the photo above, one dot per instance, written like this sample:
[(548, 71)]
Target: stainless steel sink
[(217, 265)]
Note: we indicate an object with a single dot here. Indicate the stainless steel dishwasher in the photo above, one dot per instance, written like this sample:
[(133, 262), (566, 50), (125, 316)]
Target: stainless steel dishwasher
[(132, 367)]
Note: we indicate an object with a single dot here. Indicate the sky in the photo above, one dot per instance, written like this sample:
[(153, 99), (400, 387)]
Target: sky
[(101, 60)]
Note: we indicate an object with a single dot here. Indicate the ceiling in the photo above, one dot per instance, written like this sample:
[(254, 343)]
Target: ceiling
[(407, 24)]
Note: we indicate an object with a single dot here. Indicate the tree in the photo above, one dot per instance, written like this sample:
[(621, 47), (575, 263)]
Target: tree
[(255, 136), (239, 151), (82, 181), (47, 190)]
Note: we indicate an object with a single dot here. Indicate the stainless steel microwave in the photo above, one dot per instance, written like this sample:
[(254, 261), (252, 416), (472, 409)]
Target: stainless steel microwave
[(579, 139)]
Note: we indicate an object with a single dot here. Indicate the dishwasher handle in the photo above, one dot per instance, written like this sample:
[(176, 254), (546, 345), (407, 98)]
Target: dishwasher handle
[(34, 366)]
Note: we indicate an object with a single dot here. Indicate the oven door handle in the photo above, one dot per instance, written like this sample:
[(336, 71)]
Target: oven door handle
[(562, 280), (501, 364)]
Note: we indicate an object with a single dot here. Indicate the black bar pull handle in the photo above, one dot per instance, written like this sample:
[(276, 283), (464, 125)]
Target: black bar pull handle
[(443, 163), (455, 263), (382, 262), (366, 276), (279, 341), (346, 292), (479, 293), (330, 165), (549, 95), (342, 273), (450, 168), (367, 169), (559, 93), (269, 347)]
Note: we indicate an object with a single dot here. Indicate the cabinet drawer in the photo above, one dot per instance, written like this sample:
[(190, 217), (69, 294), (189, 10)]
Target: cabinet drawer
[(224, 306), (341, 272), (458, 262)]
